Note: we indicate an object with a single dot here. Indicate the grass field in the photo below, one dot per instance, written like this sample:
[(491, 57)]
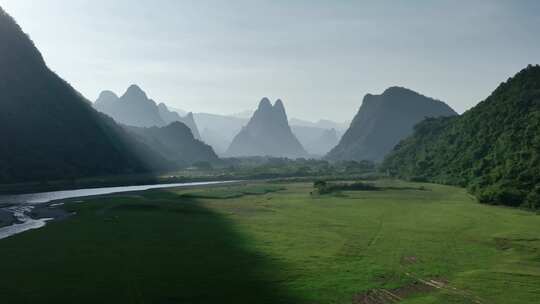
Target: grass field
[(278, 243)]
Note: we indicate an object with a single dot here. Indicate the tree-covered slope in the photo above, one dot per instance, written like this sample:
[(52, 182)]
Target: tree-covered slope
[(383, 121), (47, 129), (493, 149)]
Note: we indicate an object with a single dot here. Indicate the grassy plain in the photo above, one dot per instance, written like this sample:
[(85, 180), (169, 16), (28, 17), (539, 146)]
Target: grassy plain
[(277, 243)]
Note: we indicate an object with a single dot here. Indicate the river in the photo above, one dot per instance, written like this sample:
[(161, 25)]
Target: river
[(20, 206)]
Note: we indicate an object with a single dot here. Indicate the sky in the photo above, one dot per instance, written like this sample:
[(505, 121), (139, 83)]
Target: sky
[(319, 57)]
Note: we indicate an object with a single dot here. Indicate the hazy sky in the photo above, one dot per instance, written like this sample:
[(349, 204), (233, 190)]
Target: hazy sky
[(320, 57)]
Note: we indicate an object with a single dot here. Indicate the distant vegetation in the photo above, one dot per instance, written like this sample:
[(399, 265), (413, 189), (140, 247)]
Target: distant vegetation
[(246, 168), (270, 167), (493, 149)]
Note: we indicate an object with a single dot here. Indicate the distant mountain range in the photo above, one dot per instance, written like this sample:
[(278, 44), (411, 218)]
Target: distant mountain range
[(267, 134), (493, 149), (219, 131), (134, 108), (383, 121)]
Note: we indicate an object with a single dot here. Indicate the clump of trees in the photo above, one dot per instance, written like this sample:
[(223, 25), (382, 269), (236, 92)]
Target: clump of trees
[(324, 187)]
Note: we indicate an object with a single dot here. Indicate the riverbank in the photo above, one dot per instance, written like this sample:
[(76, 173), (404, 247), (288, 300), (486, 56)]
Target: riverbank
[(102, 182), (30, 211)]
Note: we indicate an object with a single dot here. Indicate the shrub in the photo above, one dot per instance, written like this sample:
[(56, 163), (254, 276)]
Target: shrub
[(323, 187)]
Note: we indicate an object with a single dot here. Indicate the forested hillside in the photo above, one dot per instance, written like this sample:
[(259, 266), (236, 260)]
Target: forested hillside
[(493, 149)]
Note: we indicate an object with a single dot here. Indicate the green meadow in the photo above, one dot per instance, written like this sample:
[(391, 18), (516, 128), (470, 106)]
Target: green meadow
[(278, 243)]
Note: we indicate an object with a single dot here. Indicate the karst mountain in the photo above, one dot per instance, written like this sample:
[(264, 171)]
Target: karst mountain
[(267, 134)]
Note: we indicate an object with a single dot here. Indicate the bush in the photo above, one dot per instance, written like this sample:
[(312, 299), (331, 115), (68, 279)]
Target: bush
[(323, 187), (319, 184), (533, 199), (418, 179), (506, 196)]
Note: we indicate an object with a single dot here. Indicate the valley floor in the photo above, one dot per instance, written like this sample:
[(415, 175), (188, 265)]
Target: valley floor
[(278, 243)]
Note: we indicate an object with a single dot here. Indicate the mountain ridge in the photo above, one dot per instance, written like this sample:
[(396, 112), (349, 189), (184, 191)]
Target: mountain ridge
[(135, 108), (382, 121), (132, 108), (175, 142)]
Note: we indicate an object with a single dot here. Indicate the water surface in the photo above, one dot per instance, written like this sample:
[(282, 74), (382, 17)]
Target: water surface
[(22, 204)]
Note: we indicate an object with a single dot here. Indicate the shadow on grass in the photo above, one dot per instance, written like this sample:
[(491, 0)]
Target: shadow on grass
[(156, 248)]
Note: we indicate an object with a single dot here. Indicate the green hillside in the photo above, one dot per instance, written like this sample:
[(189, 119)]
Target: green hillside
[(493, 149)]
